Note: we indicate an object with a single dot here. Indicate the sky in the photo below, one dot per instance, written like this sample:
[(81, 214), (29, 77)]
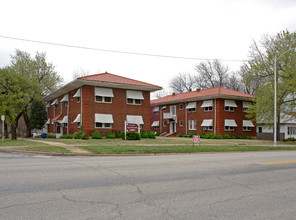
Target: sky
[(212, 29)]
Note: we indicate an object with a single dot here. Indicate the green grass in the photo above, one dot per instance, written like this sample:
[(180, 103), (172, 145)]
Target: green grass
[(131, 149), (8, 143), (51, 149)]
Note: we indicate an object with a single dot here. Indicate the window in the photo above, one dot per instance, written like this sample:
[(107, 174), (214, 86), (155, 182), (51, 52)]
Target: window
[(164, 108), (103, 99), (291, 130), (56, 107), (173, 110), (72, 94), (192, 110), (208, 109), (192, 124), (134, 101), (103, 125), (181, 107), (208, 128), (246, 128), (164, 123), (156, 127), (78, 99), (260, 129), (181, 123), (229, 109), (229, 128), (78, 124), (66, 104), (72, 119)]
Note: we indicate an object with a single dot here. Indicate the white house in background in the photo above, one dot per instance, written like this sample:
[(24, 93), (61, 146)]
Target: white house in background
[(287, 128)]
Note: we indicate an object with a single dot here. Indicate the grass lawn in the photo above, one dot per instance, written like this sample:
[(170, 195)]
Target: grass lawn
[(152, 146)]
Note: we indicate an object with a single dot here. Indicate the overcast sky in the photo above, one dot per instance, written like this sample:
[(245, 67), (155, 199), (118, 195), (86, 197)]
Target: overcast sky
[(211, 29)]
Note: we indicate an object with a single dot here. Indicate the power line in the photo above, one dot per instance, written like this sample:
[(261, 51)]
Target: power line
[(114, 51)]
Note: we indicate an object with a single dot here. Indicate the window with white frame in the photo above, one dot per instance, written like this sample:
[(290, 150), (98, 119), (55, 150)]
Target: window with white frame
[(163, 108), (103, 125), (229, 105), (229, 128), (291, 130), (191, 107), (247, 128), (181, 107), (192, 124), (208, 128), (134, 97), (229, 124), (207, 124), (78, 99), (164, 123), (181, 123), (103, 120), (207, 105), (103, 95), (246, 105), (247, 125)]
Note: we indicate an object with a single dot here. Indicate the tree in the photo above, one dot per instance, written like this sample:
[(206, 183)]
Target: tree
[(38, 115), (80, 73), (260, 71), (211, 74), (184, 82), (24, 81)]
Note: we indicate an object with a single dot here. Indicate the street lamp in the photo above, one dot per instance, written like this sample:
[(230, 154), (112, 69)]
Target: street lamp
[(274, 120)]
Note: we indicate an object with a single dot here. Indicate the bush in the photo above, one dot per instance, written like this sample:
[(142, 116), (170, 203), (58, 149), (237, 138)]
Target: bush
[(50, 136), (151, 135), (180, 135), (110, 135), (65, 136), (119, 134), (144, 134), (80, 135), (96, 135), (84, 136), (132, 135)]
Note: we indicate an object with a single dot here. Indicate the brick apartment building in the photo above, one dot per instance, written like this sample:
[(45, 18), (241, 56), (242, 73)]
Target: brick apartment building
[(100, 102), (215, 110)]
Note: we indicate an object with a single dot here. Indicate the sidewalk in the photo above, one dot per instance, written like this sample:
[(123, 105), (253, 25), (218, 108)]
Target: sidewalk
[(71, 148)]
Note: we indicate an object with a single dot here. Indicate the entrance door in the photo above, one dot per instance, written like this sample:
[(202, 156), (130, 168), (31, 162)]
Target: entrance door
[(172, 127)]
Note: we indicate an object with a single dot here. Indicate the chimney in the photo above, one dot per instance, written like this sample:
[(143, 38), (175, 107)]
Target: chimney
[(173, 94), (197, 90)]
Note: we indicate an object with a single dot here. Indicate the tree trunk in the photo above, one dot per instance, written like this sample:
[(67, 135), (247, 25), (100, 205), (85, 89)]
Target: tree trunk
[(278, 128), (13, 132), (27, 122), (6, 130)]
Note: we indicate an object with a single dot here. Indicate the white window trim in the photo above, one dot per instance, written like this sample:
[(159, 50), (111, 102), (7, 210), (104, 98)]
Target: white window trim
[(103, 125), (134, 102), (192, 110), (103, 99), (191, 125), (230, 109), (246, 128), (230, 128), (181, 124), (180, 107), (208, 128), (206, 109)]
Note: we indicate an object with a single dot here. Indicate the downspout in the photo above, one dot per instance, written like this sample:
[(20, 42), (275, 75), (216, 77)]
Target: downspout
[(81, 124), (215, 117), (185, 105), (160, 118), (68, 115), (54, 125)]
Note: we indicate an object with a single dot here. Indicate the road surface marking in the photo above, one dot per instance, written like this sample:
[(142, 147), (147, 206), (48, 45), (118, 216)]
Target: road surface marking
[(291, 161)]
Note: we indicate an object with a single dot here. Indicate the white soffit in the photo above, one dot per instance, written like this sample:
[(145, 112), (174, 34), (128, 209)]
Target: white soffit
[(247, 104), (103, 92), (55, 102), (230, 103), (77, 94), (104, 118), (64, 121), (134, 119), (155, 109), (65, 98), (134, 94), (155, 124), (230, 122), (207, 103), (207, 122), (248, 123), (191, 105), (77, 119)]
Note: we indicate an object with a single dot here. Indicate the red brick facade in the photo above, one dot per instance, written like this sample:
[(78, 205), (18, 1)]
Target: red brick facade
[(217, 114), (87, 106)]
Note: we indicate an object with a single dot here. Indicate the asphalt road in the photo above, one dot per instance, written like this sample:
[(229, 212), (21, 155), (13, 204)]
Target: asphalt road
[(184, 186)]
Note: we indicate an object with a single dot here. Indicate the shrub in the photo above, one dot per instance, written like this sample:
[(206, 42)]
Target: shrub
[(80, 135), (144, 134), (84, 136), (110, 135), (151, 135), (132, 135), (96, 135), (65, 136), (50, 136), (119, 134), (180, 135)]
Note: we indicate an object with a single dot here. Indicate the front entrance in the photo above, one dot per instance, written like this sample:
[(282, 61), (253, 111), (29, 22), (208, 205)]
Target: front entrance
[(173, 127)]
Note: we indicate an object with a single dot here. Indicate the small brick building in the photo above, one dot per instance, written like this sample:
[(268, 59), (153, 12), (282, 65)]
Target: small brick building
[(101, 102), (215, 110)]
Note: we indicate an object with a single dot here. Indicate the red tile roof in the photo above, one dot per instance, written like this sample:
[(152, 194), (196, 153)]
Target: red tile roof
[(57, 118), (111, 78), (205, 93)]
